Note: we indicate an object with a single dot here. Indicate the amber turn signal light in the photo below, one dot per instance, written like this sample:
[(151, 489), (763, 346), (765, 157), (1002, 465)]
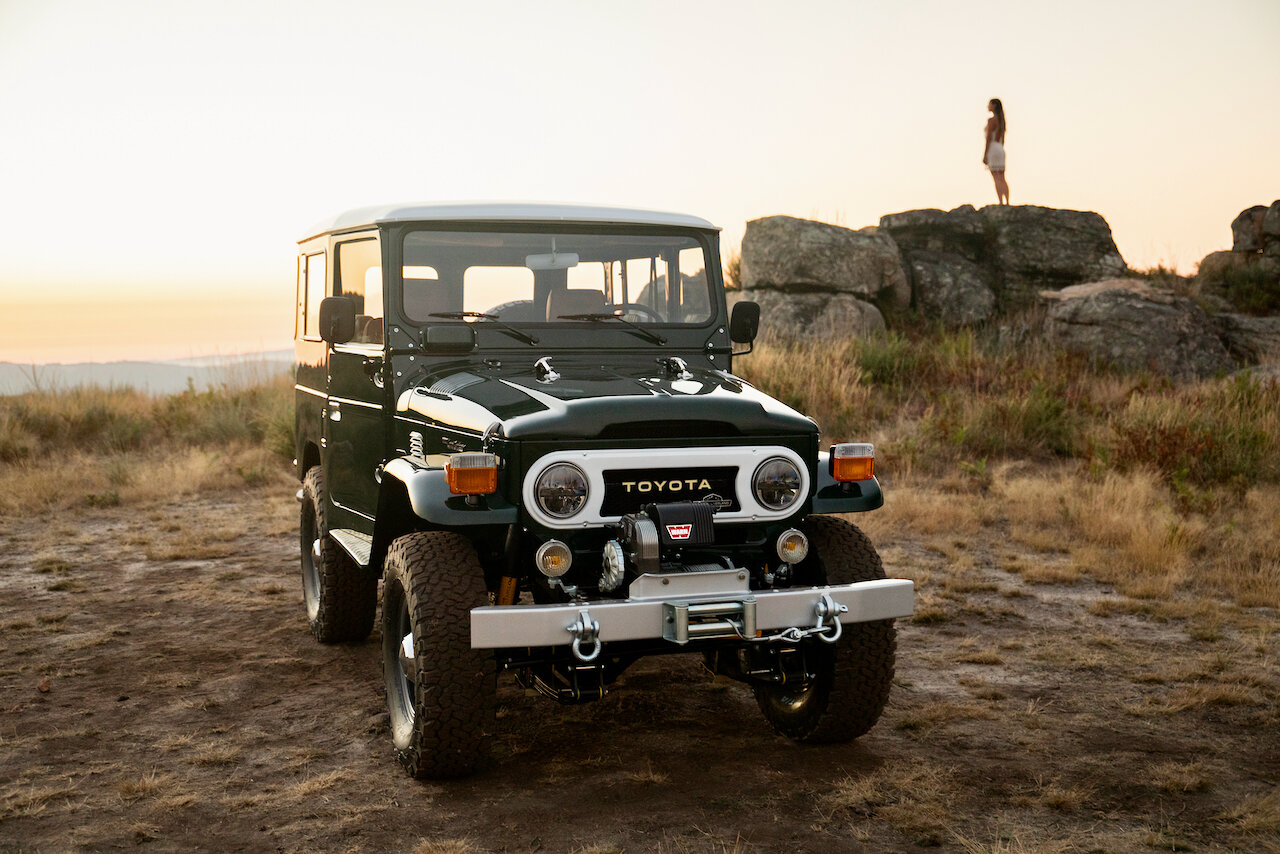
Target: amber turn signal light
[(472, 474), (853, 461)]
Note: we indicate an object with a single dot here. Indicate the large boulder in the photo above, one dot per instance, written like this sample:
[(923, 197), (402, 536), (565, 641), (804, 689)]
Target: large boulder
[(803, 256), (1017, 251), (1039, 248), (1271, 223), (807, 315), (1246, 229), (961, 231), (950, 288), (1250, 340), (1128, 323)]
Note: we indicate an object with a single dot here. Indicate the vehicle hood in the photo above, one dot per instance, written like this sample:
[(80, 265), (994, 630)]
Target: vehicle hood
[(591, 402)]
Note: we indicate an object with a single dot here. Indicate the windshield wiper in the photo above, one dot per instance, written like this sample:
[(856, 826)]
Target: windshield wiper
[(492, 318), (596, 318)]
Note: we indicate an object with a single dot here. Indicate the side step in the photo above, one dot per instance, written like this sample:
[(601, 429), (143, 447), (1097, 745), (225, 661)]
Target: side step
[(354, 543)]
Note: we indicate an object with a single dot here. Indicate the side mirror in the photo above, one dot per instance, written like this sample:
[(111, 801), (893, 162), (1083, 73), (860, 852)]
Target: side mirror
[(337, 319), (744, 323), (455, 338)]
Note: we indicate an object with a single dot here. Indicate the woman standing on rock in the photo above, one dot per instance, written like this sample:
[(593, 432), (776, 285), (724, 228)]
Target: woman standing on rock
[(993, 149)]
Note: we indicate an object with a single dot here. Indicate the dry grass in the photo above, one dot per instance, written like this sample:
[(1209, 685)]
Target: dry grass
[(448, 846), (1256, 814), (913, 797), (647, 775), (1182, 776), (150, 785)]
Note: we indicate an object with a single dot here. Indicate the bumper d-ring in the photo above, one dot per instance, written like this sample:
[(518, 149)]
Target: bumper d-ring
[(828, 610), (585, 631)]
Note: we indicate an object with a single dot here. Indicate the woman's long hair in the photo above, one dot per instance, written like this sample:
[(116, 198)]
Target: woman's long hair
[(998, 109)]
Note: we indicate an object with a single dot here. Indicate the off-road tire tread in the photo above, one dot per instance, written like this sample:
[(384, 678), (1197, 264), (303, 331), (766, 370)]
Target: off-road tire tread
[(862, 667), (457, 685), (348, 592)]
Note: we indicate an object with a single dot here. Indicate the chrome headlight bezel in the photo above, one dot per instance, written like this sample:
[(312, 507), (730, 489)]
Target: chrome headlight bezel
[(781, 480), (568, 499)]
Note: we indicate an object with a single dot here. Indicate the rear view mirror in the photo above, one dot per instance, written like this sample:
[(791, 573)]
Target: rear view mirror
[(744, 323), (453, 338), (337, 319), (552, 261)]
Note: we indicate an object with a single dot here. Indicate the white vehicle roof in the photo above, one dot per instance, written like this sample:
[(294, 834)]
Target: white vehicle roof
[(503, 211)]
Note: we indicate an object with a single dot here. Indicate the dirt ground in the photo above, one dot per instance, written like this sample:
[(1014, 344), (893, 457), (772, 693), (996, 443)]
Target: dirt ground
[(159, 690)]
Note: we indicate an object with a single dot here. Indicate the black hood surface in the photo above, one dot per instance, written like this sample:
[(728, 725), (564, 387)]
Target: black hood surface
[(595, 401)]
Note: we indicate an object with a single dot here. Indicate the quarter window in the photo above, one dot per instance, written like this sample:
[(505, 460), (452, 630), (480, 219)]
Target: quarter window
[(314, 276)]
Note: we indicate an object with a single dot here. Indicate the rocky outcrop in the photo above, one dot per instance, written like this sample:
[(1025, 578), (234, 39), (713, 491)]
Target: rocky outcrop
[(812, 314), (1250, 340), (961, 231), (1012, 252), (1038, 248), (950, 288), (1246, 229), (798, 256), (967, 266), (1270, 237), (1127, 323), (1247, 276)]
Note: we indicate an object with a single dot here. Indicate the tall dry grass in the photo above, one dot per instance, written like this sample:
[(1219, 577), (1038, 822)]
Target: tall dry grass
[(1157, 488), (93, 446)]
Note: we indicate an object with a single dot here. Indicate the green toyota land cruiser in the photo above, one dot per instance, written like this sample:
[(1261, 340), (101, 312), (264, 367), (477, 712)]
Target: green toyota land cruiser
[(523, 419)]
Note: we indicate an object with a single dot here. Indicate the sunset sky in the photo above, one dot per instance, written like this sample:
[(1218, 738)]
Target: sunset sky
[(159, 160)]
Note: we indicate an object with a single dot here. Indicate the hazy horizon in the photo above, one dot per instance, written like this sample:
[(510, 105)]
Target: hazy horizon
[(160, 161)]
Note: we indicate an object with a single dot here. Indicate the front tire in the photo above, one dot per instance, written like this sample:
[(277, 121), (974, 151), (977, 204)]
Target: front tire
[(341, 598), (852, 676), (442, 697)]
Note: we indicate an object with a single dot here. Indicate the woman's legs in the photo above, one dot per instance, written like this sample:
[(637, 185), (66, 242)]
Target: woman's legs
[(1002, 187)]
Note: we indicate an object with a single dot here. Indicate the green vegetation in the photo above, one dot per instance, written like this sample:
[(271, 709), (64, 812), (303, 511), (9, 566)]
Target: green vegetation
[(945, 399), (1252, 289)]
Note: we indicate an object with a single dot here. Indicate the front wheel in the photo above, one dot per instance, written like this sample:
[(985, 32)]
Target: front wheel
[(851, 677), (441, 693)]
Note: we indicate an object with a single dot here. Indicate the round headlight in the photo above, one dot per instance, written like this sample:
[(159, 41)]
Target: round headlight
[(777, 483), (562, 490)]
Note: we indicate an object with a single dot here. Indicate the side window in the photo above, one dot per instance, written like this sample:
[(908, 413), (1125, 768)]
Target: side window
[(314, 268), (359, 276)]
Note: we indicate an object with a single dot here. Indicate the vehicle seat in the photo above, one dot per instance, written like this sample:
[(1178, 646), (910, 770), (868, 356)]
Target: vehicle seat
[(574, 301)]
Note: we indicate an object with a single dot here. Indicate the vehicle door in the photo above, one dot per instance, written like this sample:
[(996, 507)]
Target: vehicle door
[(355, 423)]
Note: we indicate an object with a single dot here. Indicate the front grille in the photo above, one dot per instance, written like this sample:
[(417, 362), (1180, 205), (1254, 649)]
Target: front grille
[(628, 490)]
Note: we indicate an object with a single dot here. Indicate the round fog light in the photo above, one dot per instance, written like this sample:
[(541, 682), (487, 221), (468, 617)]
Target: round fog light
[(793, 546), (554, 559)]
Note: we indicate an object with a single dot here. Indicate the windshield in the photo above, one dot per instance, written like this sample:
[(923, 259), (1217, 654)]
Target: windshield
[(531, 278)]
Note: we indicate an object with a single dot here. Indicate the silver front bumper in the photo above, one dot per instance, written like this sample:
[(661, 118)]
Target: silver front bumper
[(645, 615)]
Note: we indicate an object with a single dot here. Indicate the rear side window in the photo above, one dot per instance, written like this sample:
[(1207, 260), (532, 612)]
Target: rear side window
[(313, 285)]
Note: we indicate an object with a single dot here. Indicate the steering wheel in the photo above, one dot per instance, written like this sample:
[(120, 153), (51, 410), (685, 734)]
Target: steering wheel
[(507, 306), (637, 308)]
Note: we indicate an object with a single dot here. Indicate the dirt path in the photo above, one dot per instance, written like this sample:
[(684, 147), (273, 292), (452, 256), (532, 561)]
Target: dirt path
[(158, 688)]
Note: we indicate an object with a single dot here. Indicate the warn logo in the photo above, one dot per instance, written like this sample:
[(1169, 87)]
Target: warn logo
[(679, 532)]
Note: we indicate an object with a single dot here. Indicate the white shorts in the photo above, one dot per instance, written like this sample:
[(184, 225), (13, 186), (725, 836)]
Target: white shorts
[(995, 156)]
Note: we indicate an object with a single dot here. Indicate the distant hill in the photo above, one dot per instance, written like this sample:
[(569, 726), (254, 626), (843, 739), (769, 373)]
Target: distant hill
[(165, 377)]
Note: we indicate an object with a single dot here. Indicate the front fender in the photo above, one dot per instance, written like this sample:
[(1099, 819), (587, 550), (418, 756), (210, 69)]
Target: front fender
[(431, 500), (852, 497)]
